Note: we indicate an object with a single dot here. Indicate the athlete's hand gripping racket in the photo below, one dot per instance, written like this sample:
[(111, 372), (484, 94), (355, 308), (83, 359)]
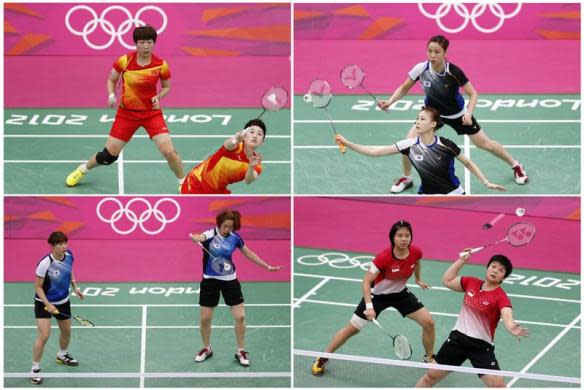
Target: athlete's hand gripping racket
[(518, 234), (81, 320), (352, 76), (320, 95), (401, 345)]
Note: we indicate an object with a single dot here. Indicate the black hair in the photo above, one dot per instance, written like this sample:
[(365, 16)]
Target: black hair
[(435, 116), (144, 33), (441, 40), (57, 238), (395, 227), (504, 261), (257, 122)]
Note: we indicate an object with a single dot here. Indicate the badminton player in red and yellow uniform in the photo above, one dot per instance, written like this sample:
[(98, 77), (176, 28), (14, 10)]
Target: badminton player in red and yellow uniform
[(139, 106), (485, 303), (389, 273), (237, 160)]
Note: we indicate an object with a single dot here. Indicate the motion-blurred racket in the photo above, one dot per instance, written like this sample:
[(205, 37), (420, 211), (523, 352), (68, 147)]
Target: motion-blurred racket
[(352, 76), (273, 100), (320, 95), (518, 234), (81, 320), (401, 345)]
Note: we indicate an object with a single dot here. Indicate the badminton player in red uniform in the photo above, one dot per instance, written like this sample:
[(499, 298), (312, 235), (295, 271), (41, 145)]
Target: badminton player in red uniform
[(389, 273), (485, 302), (139, 106), (237, 160)]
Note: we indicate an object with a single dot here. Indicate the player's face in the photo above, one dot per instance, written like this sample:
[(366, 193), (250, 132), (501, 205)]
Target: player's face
[(436, 54), (60, 248), (254, 136), (145, 46), (226, 227), (424, 122), (402, 238), (496, 272)]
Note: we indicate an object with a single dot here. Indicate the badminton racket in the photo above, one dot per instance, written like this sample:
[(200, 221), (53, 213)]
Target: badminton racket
[(518, 234)]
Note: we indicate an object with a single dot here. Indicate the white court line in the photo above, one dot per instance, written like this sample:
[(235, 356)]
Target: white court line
[(151, 327), (440, 288), (411, 121), (83, 375), (460, 146), (121, 173), (125, 161), (152, 305), (466, 171), (547, 348), (437, 313), (135, 136), (310, 292), (143, 345)]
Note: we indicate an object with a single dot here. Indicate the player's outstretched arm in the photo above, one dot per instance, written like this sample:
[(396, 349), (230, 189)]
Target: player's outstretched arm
[(372, 151), (512, 327), (232, 142), (399, 93), (450, 278), (474, 169), (197, 237), (255, 259)]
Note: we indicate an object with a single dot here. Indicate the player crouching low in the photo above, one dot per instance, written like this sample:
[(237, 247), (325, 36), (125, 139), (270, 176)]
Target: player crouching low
[(237, 160)]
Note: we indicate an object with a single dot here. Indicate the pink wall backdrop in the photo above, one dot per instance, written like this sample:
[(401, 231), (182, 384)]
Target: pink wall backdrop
[(149, 251), (362, 226), (463, 21), (220, 55), (387, 40)]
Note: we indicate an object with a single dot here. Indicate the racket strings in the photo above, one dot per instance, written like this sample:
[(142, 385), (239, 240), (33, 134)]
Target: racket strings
[(520, 233)]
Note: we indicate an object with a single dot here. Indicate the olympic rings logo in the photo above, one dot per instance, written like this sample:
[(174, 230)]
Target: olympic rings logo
[(108, 27), (134, 218), (475, 13), (337, 260)]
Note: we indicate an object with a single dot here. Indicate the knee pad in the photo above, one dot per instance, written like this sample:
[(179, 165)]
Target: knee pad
[(358, 322), (105, 158)]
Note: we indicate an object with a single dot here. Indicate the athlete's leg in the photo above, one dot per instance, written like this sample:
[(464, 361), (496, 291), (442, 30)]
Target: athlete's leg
[(43, 332), (405, 181), (482, 141), (238, 313), (206, 314), (341, 337), (113, 146), (65, 336), (493, 380), (431, 377), (166, 148), (423, 317)]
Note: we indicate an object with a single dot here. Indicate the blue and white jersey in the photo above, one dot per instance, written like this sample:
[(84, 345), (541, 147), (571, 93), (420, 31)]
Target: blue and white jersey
[(441, 89), (220, 265), (57, 274)]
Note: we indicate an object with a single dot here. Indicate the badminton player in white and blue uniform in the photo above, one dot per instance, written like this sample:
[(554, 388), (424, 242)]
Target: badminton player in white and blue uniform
[(220, 278), (441, 81), (54, 275)]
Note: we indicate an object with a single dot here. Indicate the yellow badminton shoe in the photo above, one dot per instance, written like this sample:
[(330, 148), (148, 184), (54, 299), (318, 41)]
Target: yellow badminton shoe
[(74, 177)]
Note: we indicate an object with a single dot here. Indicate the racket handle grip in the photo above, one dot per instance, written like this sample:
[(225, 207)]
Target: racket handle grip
[(377, 323), (342, 146), (473, 250)]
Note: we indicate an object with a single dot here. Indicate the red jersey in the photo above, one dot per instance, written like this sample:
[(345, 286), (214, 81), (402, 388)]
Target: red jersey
[(139, 82), (213, 175), (393, 273), (481, 310)]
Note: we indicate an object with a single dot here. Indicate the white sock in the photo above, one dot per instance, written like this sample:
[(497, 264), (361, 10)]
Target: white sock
[(62, 352), (180, 181), (83, 168), (409, 177), (240, 349), (515, 163), (36, 366)]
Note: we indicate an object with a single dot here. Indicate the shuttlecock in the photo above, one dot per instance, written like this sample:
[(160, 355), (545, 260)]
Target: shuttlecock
[(308, 98), (520, 212), (272, 98)]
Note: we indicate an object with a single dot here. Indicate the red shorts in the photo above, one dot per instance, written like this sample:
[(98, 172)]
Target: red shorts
[(127, 122)]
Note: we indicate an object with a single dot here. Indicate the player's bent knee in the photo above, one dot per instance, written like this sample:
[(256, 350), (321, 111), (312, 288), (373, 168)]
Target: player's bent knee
[(105, 157), (357, 322)]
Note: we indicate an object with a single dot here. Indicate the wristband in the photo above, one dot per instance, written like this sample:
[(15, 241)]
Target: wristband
[(369, 305), (486, 182)]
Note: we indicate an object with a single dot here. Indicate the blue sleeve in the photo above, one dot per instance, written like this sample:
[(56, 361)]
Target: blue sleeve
[(240, 243)]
